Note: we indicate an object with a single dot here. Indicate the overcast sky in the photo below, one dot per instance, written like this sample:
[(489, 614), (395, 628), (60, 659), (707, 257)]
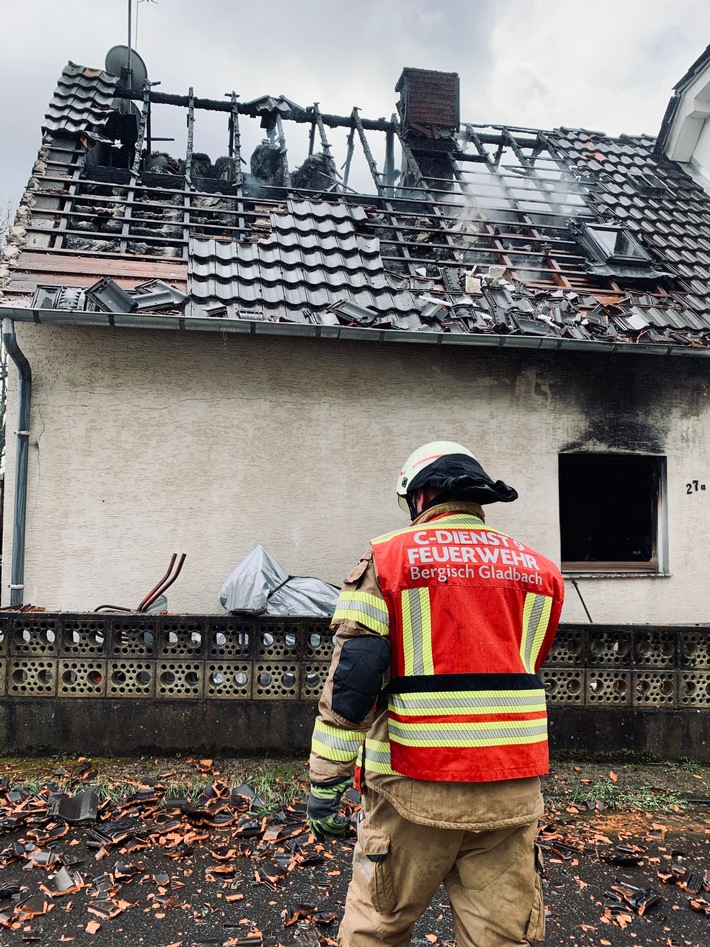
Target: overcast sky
[(600, 64)]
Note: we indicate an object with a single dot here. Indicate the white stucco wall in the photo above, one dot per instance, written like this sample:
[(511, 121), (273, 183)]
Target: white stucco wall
[(145, 443)]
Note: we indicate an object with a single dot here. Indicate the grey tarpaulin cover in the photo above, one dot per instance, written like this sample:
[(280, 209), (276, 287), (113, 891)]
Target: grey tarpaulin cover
[(261, 586)]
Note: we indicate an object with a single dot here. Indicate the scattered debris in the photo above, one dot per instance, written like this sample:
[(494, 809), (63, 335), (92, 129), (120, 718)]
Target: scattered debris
[(79, 861), (76, 810), (226, 826)]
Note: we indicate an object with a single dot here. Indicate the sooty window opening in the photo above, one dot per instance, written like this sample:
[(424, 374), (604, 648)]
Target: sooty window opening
[(610, 512)]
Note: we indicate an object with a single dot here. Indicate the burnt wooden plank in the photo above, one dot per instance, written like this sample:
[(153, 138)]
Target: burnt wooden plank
[(120, 266), (27, 286)]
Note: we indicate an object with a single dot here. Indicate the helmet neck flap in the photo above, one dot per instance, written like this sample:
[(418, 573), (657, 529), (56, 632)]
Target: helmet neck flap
[(458, 477)]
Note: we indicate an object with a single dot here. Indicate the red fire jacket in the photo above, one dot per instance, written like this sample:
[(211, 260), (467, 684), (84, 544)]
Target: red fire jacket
[(473, 614)]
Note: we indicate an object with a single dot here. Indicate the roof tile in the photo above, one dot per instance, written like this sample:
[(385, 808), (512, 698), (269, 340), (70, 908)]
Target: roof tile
[(313, 258), (83, 100)]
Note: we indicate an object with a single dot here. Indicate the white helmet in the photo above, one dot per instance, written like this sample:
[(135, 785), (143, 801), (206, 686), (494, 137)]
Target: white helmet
[(452, 469)]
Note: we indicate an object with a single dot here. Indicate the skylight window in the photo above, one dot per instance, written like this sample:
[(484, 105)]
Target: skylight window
[(614, 245), (614, 252)]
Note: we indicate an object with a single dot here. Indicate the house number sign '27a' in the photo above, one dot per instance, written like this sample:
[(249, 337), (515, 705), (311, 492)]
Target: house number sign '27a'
[(694, 486)]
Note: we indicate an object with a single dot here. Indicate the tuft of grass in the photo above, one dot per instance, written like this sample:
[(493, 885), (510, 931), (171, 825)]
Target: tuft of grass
[(32, 786), (613, 796), (618, 756), (277, 780), (182, 787)]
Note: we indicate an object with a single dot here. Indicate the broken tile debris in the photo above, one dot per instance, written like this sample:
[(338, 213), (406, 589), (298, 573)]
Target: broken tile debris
[(83, 807), (241, 847), (206, 859)]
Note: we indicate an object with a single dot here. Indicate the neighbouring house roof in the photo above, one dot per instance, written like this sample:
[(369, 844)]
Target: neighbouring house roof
[(480, 234)]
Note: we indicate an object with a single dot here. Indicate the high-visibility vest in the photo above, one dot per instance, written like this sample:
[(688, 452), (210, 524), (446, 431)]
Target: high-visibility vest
[(472, 615)]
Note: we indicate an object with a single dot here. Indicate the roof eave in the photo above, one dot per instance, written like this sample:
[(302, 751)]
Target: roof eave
[(667, 123), (129, 320), (678, 90)]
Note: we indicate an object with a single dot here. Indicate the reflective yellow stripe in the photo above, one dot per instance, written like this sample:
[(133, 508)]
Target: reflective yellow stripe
[(443, 703), (457, 519), (416, 632), (377, 757), (332, 743), (485, 733), (536, 617), (368, 610)]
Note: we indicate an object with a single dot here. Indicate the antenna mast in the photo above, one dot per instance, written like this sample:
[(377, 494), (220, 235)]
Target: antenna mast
[(128, 68)]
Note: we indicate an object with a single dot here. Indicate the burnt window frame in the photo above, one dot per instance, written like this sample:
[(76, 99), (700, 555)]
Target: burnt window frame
[(657, 564)]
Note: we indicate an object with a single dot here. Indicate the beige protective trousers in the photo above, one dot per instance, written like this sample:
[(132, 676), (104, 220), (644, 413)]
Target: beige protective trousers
[(490, 877)]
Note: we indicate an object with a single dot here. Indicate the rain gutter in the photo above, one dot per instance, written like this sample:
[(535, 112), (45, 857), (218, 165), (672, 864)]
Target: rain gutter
[(127, 320), (22, 434)]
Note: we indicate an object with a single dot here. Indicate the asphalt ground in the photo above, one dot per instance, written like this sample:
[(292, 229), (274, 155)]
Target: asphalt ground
[(183, 854)]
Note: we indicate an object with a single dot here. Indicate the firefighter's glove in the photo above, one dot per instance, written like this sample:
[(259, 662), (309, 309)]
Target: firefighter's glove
[(323, 811)]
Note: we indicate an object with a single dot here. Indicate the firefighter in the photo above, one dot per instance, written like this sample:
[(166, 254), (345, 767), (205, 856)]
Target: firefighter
[(433, 702)]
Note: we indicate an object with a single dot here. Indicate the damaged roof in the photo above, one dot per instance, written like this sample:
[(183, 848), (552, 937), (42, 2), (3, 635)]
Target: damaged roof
[(313, 257), (83, 100), (565, 236)]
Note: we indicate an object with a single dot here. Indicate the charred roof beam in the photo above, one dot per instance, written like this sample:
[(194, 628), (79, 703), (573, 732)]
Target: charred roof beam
[(538, 199), (531, 170), (349, 154), (235, 155), (145, 96), (390, 173), (371, 163), (283, 151), (189, 151), (324, 143), (381, 189), (557, 275), (421, 182), (190, 135), (553, 265), (489, 230), (364, 198), (407, 230), (304, 116), (235, 142), (67, 199), (143, 124)]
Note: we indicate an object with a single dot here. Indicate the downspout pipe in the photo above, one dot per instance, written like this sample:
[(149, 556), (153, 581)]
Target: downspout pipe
[(22, 434)]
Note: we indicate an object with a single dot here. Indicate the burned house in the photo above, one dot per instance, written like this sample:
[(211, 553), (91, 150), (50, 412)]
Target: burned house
[(241, 348)]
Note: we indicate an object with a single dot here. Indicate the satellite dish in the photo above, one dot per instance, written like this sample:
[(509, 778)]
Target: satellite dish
[(117, 65)]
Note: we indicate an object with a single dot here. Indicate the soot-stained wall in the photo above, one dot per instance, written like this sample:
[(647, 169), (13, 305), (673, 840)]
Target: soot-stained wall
[(145, 443)]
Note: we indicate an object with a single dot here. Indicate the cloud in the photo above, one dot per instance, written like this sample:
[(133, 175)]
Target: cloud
[(610, 64), (606, 65)]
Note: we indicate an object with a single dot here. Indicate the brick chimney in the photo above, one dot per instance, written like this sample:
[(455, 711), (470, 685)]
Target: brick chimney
[(428, 103), (428, 109)]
